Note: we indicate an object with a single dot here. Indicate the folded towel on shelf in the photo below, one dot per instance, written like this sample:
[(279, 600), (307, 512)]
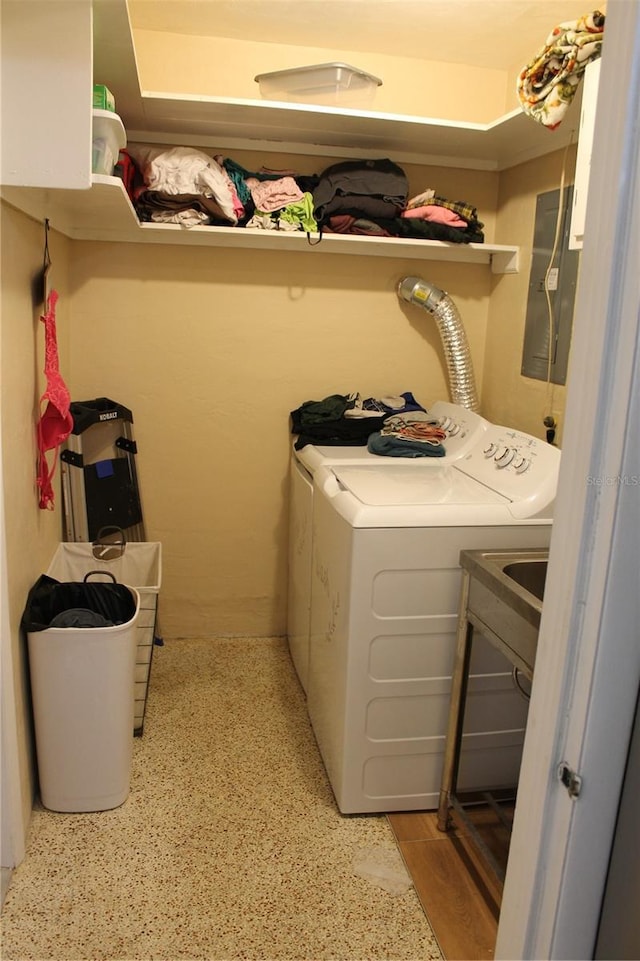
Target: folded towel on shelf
[(183, 170), (370, 188), (548, 83), (189, 210), (274, 194), (435, 214)]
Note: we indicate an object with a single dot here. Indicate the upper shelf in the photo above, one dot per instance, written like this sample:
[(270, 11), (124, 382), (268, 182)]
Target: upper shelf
[(297, 128), (226, 123), (87, 207), (104, 212)]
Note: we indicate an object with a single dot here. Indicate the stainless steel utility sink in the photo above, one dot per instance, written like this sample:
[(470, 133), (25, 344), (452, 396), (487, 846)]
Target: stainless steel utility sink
[(506, 590), (501, 597), (531, 575)]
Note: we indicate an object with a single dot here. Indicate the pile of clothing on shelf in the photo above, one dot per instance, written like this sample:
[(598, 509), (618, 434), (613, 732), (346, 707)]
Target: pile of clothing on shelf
[(393, 426), (185, 186), (371, 198)]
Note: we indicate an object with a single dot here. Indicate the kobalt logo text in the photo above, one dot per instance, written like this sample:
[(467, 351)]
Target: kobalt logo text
[(110, 415)]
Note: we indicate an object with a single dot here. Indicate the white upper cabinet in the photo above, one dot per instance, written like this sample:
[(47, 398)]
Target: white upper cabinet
[(583, 160), (47, 79)]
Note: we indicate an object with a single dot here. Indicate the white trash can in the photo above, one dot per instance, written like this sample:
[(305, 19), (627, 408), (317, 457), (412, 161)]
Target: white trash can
[(138, 563), (82, 693)]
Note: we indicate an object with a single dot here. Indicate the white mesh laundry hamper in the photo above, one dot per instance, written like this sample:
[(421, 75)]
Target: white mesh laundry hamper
[(139, 565)]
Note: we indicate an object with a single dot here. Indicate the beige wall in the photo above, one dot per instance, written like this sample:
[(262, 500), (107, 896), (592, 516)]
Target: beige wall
[(507, 396), (31, 534), (212, 349), (216, 67)]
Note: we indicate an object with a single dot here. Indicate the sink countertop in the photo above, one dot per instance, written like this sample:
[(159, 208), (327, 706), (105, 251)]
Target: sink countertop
[(488, 568)]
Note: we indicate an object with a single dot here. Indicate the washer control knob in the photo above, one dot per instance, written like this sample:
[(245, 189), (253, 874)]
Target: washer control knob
[(522, 465), (490, 450), (505, 457), (445, 423), (454, 429)]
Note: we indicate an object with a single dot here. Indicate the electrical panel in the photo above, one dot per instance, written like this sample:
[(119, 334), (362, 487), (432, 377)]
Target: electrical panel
[(552, 290)]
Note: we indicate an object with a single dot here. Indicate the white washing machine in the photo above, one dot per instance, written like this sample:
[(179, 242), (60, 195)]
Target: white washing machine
[(464, 429), (385, 582)]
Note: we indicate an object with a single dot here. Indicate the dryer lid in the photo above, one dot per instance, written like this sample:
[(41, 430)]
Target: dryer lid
[(390, 486)]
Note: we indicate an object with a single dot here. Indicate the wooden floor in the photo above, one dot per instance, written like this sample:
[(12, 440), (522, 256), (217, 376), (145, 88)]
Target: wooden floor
[(459, 893)]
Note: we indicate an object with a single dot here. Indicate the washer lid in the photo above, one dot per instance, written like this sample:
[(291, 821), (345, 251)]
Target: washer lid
[(427, 484)]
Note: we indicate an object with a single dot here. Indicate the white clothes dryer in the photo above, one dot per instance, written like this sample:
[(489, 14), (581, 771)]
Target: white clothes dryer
[(464, 430), (385, 583)]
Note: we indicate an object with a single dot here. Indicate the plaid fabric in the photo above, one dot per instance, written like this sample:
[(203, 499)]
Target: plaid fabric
[(461, 207)]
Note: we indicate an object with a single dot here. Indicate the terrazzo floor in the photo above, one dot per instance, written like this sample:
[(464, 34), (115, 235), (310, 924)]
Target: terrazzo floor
[(229, 846)]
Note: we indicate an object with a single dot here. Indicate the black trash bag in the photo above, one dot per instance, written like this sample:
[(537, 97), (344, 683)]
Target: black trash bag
[(48, 598)]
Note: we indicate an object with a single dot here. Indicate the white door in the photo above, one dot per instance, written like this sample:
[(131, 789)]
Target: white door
[(13, 829), (588, 665)]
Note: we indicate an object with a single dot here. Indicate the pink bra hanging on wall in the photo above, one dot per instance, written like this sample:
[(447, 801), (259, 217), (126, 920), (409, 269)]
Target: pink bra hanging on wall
[(56, 421)]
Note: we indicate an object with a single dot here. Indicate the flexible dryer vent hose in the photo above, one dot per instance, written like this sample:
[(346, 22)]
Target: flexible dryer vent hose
[(462, 384)]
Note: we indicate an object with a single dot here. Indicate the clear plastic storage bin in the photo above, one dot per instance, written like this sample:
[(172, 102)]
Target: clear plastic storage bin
[(108, 139), (333, 84)]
